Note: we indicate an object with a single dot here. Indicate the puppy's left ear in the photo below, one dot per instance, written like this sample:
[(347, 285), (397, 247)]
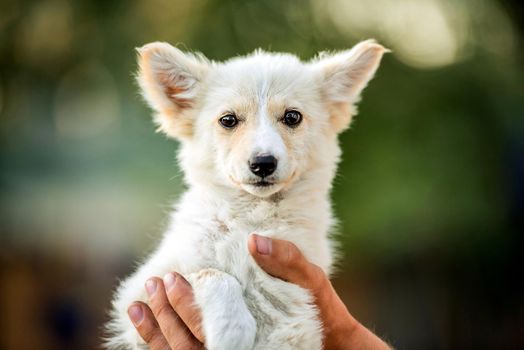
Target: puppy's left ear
[(171, 82), (343, 77)]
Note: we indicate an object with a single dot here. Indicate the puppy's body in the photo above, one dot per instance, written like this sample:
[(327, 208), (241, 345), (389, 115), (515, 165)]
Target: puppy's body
[(228, 198)]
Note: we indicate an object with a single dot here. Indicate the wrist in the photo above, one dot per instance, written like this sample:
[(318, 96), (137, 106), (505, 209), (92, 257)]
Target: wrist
[(360, 337), (348, 332), (340, 331)]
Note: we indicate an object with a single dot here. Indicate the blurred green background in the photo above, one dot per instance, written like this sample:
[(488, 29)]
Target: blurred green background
[(430, 192)]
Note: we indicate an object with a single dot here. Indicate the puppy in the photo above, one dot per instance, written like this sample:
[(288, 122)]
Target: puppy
[(259, 150)]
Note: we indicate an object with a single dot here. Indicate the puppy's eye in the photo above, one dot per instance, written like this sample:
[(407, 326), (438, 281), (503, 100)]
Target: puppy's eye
[(292, 118), (228, 121)]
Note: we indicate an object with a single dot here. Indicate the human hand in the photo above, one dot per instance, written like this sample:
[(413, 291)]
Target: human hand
[(284, 260), (171, 320)]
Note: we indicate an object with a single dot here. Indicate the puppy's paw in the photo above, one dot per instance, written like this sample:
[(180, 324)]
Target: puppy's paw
[(227, 322)]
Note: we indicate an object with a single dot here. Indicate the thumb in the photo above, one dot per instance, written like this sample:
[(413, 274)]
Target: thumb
[(282, 259)]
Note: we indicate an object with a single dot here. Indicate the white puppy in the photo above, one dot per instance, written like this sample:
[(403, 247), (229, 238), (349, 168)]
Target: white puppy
[(259, 151)]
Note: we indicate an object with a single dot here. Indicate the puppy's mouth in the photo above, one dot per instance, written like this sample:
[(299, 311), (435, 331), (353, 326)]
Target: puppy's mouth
[(262, 183), (264, 186)]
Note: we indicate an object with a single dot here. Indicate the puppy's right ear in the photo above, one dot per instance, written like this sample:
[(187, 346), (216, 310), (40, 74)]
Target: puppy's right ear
[(171, 81)]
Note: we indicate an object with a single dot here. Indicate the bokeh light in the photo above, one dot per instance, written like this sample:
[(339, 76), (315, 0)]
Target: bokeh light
[(1, 96), (86, 101), (430, 192), (424, 33), (45, 35)]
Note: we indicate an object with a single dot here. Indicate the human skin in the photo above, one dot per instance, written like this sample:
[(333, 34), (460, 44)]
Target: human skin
[(171, 320)]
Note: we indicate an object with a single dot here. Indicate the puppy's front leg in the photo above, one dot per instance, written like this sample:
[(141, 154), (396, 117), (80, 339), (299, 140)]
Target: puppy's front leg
[(227, 322)]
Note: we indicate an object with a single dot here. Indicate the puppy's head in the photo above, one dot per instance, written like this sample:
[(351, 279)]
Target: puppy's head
[(261, 122)]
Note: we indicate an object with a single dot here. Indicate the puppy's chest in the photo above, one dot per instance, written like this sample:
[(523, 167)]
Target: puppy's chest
[(226, 250), (223, 242)]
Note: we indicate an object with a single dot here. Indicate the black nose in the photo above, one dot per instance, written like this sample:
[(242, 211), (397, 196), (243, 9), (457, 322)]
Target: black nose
[(263, 165)]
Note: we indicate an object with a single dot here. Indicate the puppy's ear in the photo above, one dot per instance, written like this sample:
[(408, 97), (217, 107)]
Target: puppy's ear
[(343, 77), (171, 81)]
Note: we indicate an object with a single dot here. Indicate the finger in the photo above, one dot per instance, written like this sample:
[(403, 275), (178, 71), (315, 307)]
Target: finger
[(173, 328), (146, 325), (180, 296), (284, 260)]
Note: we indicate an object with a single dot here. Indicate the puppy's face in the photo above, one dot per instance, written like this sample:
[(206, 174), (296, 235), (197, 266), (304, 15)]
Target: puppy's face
[(261, 114), (260, 122)]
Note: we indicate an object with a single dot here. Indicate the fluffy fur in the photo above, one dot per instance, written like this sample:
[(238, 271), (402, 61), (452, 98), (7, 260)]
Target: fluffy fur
[(206, 241)]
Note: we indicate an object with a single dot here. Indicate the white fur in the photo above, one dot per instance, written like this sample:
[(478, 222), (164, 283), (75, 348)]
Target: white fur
[(206, 241), (231, 327)]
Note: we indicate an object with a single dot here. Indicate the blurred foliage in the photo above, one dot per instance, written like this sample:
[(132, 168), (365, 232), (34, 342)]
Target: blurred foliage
[(433, 165)]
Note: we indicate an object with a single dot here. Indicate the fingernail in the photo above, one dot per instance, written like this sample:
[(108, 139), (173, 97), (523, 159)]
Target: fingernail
[(136, 314), (169, 280), (151, 287), (263, 245)]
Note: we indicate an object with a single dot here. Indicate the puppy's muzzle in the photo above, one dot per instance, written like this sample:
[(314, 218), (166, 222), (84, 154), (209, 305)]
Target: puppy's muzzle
[(263, 165)]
